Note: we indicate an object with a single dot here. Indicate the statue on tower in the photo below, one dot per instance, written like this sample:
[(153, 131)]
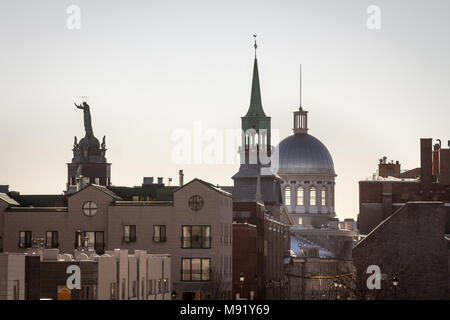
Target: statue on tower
[(87, 118)]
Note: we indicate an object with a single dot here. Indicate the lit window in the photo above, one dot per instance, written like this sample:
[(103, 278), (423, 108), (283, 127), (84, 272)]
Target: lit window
[(300, 221), (300, 196), (287, 196), (312, 196), (324, 197)]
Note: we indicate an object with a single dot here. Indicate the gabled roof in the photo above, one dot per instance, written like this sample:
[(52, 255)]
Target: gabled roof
[(8, 200), (102, 189), (156, 192), (207, 184)]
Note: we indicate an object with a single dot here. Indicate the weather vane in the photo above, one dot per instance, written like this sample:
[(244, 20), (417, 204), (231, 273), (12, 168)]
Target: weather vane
[(256, 46)]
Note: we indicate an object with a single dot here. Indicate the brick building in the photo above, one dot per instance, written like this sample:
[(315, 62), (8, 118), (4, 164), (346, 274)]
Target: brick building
[(382, 195), (260, 244), (260, 238), (410, 245), (405, 217)]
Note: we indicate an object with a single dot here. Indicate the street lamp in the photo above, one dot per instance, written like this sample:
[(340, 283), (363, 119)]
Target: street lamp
[(395, 284), (174, 295), (241, 281)]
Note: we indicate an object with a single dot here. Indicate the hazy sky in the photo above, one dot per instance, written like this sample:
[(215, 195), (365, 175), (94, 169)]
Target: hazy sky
[(150, 68)]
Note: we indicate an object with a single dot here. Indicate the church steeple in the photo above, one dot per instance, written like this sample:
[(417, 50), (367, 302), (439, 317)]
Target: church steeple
[(255, 124), (255, 109)]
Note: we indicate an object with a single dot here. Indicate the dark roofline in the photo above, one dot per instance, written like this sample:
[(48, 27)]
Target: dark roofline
[(207, 184), (100, 188), (10, 201)]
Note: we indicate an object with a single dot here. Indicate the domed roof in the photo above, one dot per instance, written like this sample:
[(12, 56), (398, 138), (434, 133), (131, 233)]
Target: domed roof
[(304, 154)]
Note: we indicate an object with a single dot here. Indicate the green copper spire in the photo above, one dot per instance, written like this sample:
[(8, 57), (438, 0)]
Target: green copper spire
[(255, 109)]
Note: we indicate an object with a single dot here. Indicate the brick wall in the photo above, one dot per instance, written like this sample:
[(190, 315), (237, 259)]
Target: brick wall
[(410, 245)]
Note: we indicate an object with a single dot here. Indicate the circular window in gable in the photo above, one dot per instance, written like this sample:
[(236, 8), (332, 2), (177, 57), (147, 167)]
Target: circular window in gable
[(196, 203), (90, 208)]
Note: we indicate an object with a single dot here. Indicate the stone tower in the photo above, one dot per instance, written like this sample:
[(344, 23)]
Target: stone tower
[(89, 165), (255, 153)]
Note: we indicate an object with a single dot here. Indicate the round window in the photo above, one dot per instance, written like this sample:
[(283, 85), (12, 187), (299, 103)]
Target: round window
[(90, 208), (196, 203)]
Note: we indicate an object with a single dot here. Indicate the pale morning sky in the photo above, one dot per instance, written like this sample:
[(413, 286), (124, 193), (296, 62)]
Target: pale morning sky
[(150, 68)]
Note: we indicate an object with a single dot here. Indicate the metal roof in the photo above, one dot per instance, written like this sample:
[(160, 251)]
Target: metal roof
[(304, 154)]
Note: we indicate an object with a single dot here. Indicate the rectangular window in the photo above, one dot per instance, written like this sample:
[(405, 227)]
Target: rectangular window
[(51, 239), (25, 239), (196, 237), (159, 233), (324, 197), (312, 196), (300, 196), (93, 240), (196, 269), (287, 196), (1, 244), (129, 233)]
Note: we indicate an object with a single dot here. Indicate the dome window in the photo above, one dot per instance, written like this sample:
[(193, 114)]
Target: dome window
[(300, 194), (324, 197), (287, 196), (312, 196)]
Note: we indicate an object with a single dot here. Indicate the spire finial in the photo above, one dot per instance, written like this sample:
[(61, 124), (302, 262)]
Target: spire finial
[(301, 86), (255, 45)]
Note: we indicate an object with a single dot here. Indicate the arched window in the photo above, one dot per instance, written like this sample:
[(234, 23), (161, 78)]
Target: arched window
[(300, 195), (324, 197), (287, 196), (312, 196)]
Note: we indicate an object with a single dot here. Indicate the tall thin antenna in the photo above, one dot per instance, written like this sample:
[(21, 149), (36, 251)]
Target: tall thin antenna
[(300, 86)]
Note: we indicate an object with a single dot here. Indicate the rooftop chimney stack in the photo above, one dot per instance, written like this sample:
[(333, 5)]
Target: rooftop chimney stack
[(426, 162), (181, 175)]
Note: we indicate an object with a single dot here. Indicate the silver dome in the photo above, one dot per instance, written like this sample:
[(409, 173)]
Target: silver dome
[(304, 154)]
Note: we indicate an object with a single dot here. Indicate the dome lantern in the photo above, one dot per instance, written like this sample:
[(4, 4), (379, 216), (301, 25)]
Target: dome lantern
[(300, 121)]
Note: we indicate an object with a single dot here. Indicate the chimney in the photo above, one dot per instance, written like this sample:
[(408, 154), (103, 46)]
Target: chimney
[(436, 154), (148, 180), (160, 180), (426, 162), (181, 175)]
